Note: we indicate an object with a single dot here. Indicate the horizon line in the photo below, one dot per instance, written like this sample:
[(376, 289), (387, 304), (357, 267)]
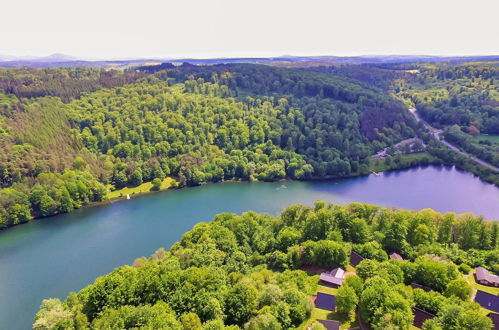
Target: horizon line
[(111, 58)]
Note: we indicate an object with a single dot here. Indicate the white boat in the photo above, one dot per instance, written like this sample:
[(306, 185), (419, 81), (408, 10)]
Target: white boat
[(127, 196)]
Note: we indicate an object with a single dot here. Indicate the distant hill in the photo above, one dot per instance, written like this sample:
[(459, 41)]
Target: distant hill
[(62, 60)]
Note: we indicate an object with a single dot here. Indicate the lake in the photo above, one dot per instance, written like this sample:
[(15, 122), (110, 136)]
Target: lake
[(51, 257)]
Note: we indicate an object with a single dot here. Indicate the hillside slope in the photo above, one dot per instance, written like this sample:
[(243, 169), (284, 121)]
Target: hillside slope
[(197, 124)]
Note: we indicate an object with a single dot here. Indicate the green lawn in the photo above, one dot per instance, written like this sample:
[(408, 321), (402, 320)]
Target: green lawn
[(471, 280), (321, 314), (143, 188), (491, 138)]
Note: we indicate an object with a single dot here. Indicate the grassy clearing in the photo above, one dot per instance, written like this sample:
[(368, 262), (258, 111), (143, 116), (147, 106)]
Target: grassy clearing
[(321, 314), (378, 165), (491, 138), (143, 188)]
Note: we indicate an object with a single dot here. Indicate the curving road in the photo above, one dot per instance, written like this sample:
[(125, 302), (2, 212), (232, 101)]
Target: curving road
[(436, 133)]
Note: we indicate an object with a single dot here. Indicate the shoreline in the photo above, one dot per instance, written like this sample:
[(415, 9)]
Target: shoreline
[(315, 178)]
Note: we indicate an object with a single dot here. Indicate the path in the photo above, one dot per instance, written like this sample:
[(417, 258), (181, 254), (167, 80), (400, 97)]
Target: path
[(436, 133)]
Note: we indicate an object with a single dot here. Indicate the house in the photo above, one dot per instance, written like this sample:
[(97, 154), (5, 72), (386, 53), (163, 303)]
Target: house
[(330, 324), (420, 316), (419, 286), (325, 301), (396, 256), (487, 300), (355, 258), (495, 319), (483, 277), (334, 277)]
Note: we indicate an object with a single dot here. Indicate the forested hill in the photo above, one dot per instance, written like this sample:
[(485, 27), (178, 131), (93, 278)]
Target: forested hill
[(318, 95), (64, 144), (254, 272)]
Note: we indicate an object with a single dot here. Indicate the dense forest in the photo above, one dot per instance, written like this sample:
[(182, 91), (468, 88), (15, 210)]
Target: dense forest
[(248, 271), (70, 134), (461, 99)]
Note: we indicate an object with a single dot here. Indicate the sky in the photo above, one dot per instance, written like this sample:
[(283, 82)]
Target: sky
[(98, 29)]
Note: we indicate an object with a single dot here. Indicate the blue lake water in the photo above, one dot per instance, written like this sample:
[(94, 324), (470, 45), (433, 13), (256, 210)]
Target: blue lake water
[(51, 257)]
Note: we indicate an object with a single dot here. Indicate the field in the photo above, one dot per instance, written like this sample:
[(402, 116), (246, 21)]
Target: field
[(491, 138), (143, 188)]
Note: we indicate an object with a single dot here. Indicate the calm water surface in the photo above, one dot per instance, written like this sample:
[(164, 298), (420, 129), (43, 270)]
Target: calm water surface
[(51, 257)]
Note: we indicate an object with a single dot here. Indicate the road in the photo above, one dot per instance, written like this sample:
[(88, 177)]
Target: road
[(437, 132)]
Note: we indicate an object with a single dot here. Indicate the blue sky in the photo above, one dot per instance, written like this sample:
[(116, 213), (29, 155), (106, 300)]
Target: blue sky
[(233, 28)]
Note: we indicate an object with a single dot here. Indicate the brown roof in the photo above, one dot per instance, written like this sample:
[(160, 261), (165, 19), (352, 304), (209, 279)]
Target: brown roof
[(482, 274), (495, 319), (355, 258), (330, 324), (419, 286), (420, 316)]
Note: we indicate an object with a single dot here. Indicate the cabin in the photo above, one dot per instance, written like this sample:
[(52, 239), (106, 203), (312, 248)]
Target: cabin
[(487, 300), (396, 256), (420, 316), (325, 301), (355, 258), (482, 276), (334, 278), (330, 324), (495, 319), (419, 286)]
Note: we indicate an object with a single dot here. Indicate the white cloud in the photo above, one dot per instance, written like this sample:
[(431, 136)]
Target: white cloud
[(192, 28)]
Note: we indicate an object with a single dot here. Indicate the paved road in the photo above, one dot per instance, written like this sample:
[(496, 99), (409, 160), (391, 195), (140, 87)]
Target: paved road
[(436, 133)]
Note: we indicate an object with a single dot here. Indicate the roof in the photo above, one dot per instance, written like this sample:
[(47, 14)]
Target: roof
[(355, 258), (396, 256), (328, 278), (482, 274), (338, 273), (330, 325), (419, 286), (325, 301), (420, 316), (487, 300), (495, 319), (335, 276)]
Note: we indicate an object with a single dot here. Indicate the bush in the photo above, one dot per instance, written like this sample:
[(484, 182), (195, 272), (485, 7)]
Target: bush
[(156, 184), (464, 268)]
